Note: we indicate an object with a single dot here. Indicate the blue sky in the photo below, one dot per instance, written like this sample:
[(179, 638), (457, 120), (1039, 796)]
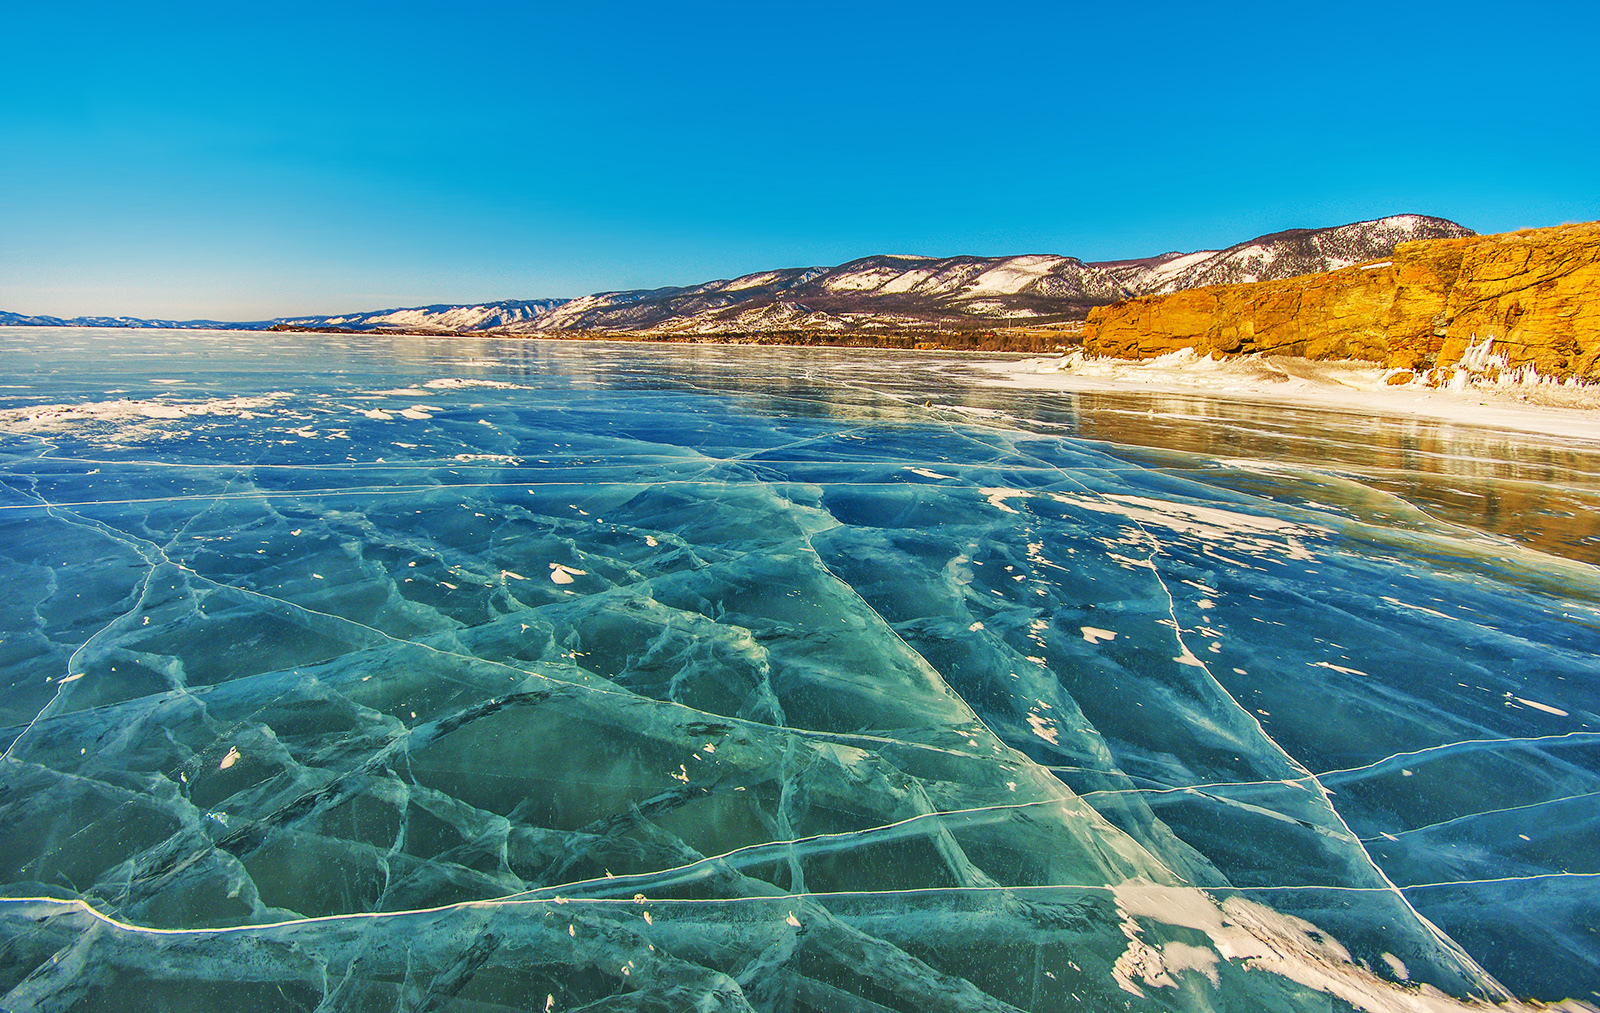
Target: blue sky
[(240, 162)]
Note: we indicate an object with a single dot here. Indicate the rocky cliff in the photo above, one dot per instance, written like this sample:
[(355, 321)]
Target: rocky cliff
[(1535, 294)]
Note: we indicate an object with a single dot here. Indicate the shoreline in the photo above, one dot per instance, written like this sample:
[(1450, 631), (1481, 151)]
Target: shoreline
[(1352, 386), (1340, 385), (1018, 340)]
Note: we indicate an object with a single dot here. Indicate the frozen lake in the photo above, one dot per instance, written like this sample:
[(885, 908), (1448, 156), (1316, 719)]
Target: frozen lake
[(373, 673)]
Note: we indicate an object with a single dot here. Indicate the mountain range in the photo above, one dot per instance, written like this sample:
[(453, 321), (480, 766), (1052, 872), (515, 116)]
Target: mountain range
[(881, 292)]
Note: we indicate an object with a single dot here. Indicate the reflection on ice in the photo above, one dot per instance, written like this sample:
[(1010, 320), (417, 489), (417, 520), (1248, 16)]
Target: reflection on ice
[(832, 699)]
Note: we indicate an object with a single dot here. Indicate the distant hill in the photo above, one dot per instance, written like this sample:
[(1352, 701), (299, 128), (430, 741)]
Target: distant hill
[(443, 318), (20, 320), (882, 292), (873, 292), (1280, 255), (964, 292)]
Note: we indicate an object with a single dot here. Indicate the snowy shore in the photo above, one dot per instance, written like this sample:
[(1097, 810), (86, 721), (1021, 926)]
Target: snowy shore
[(1510, 400)]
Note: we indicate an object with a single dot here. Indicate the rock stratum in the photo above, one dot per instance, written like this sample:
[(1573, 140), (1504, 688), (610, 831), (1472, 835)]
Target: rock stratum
[(1533, 296)]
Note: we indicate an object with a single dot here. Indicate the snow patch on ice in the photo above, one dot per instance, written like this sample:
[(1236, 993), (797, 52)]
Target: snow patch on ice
[(1536, 705), (997, 498), (457, 383), (562, 574), (1257, 938), (1335, 668), (1044, 728), (1482, 393), (1418, 608), (1247, 533), (131, 417)]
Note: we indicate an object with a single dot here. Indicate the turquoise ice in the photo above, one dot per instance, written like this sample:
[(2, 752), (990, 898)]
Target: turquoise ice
[(381, 672)]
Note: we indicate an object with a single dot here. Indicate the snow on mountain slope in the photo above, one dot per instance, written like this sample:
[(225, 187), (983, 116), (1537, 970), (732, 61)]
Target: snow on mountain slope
[(445, 318), (23, 320), (865, 280), (884, 291), (1288, 254), (900, 292), (1144, 275), (880, 291)]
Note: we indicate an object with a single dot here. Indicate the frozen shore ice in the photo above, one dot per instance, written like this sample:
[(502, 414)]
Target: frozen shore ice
[(1521, 402)]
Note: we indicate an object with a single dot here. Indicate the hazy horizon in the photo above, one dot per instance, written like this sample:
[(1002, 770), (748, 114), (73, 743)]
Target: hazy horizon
[(243, 165)]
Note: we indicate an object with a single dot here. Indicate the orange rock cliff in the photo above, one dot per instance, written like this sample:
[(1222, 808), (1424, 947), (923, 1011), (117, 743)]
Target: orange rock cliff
[(1535, 293)]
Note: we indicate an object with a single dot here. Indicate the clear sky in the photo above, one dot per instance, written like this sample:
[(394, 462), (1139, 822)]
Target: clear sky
[(242, 161)]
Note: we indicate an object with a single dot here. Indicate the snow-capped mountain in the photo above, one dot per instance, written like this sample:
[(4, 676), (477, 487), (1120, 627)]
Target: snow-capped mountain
[(21, 320), (878, 293), (882, 291), (889, 292), (444, 318), (1280, 255)]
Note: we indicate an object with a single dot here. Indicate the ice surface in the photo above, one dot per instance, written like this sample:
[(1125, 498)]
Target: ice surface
[(378, 673)]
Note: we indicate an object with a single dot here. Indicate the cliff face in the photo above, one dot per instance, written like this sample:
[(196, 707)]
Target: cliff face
[(1535, 292)]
